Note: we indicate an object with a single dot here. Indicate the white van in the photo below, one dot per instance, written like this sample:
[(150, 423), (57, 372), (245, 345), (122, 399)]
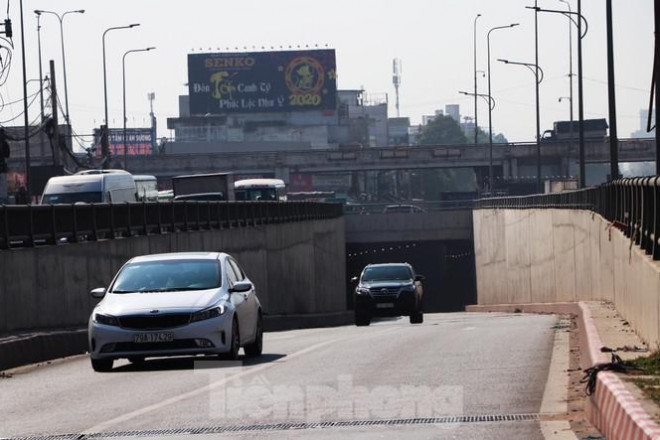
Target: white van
[(147, 188), (91, 187)]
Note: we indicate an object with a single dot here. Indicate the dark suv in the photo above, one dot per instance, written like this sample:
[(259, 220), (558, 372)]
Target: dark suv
[(391, 289)]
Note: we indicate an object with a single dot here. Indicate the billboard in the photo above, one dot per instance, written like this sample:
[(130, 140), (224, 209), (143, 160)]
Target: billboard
[(139, 141), (255, 82)]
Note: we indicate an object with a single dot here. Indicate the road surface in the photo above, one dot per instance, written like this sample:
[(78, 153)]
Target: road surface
[(388, 380)]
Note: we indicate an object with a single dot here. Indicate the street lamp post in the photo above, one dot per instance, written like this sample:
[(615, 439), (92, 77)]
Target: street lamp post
[(123, 69), (476, 117), (104, 145), (581, 34), (41, 75), (570, 65), (60, 18), (535, 70), (490, 111), (489, 100), (26, 117)]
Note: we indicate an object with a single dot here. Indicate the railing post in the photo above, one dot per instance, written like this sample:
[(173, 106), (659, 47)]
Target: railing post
[(31, 225), (129, 231), (112, 221), (95, 230), (160, 217), (53, 225), (5, 229), (656, 215), (145, 228), (74, 218)]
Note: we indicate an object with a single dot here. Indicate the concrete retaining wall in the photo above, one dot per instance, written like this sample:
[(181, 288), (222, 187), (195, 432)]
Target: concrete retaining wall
[(561, 255), (298, 268), (449, 224)]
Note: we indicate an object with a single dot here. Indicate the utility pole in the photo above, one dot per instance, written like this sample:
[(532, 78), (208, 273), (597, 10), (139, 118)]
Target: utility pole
[(583, 177), (56, 125), (539, 180), (152, 96), (614, 139), (41, 87), (26, 117)]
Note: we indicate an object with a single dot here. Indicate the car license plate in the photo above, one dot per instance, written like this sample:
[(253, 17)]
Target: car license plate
[(142, 338), (385, 306)]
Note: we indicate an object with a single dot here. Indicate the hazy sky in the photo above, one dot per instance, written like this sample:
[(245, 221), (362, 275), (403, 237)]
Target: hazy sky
[(433, 38)]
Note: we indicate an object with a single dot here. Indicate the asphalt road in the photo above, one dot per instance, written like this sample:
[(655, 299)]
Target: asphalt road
[(415, 377)]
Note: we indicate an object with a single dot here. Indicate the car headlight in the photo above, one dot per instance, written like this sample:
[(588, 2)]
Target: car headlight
[(208, 314), (362, 291), (409, 289), (106, 319)]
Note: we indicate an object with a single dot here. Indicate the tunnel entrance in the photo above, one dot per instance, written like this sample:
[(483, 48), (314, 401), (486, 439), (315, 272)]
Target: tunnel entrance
[(448, 266)]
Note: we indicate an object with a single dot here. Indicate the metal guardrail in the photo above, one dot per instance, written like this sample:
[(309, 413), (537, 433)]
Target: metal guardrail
[(36, 225), (633, 205)]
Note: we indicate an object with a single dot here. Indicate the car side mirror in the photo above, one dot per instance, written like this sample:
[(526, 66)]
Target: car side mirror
[(420, 277), (354, 280), (98, 293), (241, 286)]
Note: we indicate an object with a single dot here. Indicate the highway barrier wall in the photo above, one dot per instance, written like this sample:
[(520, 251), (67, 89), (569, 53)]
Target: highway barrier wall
[(547, 255), (298, 267)]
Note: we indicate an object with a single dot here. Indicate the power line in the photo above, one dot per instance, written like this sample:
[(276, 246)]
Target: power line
[(22, 112)]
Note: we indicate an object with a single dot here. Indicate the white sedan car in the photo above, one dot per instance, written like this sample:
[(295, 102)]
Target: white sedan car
[(175, 304)]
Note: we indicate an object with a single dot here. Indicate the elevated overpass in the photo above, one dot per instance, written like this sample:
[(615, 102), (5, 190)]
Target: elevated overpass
[(507, 157)]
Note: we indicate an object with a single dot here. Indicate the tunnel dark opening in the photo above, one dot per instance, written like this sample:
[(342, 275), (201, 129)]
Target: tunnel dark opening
[(448, 266)]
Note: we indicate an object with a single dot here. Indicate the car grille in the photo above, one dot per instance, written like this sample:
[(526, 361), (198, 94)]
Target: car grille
[(121, 347), (154, 322), (384, 290)]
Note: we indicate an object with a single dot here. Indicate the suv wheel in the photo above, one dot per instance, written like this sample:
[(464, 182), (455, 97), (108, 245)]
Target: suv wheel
[(102, 365), (362, 319), (417, 317)]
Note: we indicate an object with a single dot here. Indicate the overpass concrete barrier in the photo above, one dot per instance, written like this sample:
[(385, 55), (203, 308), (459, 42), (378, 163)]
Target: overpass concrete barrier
[(298, 269), (565, 255), (448, 224)]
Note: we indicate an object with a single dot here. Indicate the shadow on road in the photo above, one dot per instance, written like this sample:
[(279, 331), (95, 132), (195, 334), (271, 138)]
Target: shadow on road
[(195, 362)]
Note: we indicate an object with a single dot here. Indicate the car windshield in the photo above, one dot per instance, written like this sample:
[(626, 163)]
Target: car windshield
[(256, 194), (168, 276), (387, 273), (88, 197)]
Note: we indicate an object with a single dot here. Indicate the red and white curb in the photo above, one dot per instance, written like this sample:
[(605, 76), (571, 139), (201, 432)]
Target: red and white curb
[(612, 408)]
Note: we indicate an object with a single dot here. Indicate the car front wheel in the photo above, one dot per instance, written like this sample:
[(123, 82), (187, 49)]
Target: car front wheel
[(235, 343), (255, 348)]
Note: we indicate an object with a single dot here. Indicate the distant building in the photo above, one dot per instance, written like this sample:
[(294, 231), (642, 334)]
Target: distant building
[(468, 128), (643, 121), (359, 119), (398, 129), (428, 118), (453, 111)]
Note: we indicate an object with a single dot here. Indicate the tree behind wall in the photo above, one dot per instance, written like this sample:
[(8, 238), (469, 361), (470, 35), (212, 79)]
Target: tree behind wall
[(443, 130), (482, 137)]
